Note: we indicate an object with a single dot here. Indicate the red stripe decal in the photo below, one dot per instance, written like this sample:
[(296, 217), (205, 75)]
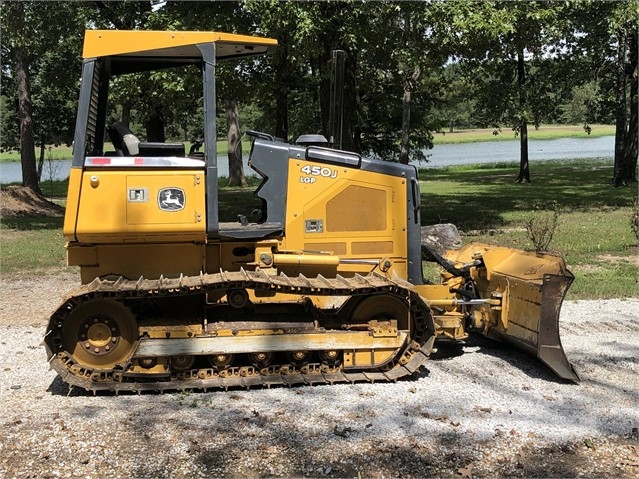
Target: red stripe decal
[(101, 161)]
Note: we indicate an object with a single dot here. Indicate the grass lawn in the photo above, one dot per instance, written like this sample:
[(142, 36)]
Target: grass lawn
[(32, 245), (593, 233), (544, 132)]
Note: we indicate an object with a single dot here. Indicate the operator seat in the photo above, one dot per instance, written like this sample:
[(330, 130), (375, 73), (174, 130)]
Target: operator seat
[(123, 139), (127, 144)]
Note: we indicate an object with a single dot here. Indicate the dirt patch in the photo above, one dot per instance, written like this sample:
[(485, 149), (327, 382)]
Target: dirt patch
[(19, 201), (633, 257), (585, 268)]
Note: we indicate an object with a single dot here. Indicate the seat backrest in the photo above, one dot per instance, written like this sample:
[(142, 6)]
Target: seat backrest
[(123, 139)]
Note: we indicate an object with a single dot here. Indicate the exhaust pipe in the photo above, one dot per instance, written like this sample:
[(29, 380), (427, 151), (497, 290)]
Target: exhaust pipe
[(336, 107)]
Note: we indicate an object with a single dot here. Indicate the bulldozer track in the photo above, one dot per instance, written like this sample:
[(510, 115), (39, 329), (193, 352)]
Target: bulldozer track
[(117, 379)]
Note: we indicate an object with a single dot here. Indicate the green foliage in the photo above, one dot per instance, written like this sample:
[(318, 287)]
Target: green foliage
[(583, 100), (500, 34), (176, 93), (455, 100), (53, 66), (457, 59), (9, 136)]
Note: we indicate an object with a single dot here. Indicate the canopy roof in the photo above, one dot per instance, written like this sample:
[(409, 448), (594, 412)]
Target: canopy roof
[(170, 45)]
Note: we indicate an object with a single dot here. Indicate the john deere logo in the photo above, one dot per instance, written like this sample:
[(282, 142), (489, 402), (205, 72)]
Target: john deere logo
[(171, 199)]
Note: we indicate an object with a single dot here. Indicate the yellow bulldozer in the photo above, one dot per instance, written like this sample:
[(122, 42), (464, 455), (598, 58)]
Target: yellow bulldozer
[(325, 286)]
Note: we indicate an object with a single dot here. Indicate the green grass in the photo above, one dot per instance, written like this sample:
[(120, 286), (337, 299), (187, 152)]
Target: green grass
[(31, 245), (53, 189), (594, 233), (545, 132)]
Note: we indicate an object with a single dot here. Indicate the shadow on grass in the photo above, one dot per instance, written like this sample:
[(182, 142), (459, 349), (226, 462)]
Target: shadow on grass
[(29, 223), (238, 201), (483, 196)]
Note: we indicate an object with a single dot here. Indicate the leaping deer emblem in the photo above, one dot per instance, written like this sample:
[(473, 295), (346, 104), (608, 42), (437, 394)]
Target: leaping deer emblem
[(170, 202)]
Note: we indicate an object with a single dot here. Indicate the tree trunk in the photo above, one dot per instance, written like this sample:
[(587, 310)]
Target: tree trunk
[(404, 147), (126, 113), (25, 110), (236, 169), (154, 125), (631, 150), (524, 166), (41, 160), (619, 178), (404, 150)]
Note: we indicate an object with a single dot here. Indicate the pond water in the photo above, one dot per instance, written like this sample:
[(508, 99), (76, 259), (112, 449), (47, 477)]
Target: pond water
[(440, 155), (508, 151)]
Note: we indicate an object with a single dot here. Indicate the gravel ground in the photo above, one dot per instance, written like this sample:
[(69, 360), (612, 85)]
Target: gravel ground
[(478, 411)]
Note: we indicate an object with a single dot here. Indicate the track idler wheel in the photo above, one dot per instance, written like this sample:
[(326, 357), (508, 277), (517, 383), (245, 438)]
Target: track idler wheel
[(260, 360), (331, 357), (182, 363), (298, 358), (100, 333), (148, 363), (238, 298), (220, 361)]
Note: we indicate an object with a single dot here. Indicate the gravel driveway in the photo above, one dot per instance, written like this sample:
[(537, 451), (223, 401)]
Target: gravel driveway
[(478, 411)]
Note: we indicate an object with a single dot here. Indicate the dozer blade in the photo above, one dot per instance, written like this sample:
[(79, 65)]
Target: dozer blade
[(532, 287)]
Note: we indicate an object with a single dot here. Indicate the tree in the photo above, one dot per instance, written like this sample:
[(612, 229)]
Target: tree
[(626, 128), (631, 149), (620, 109), (232, 78), (378, 90), (42, 62), (131, 15), (411, 62), (454, 99), (504, 44), (236, 170), (624, 30), (289, 23), (407, 67), (19, 26), (606, 33), (29, 48), (55, 87), (582, 104)]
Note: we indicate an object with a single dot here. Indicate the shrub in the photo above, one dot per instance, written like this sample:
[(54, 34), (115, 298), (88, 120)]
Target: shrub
[(541, 226)]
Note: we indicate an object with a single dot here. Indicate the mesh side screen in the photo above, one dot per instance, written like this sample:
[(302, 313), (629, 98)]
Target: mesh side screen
[(357, 208)]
